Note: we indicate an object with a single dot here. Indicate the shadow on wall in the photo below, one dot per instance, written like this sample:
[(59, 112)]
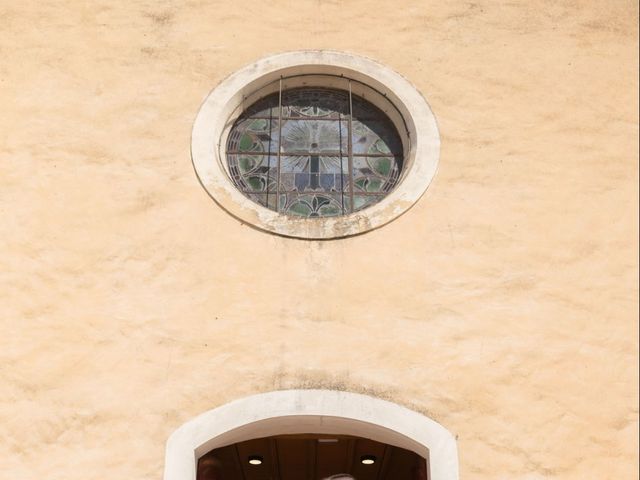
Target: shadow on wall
[(313, 379)]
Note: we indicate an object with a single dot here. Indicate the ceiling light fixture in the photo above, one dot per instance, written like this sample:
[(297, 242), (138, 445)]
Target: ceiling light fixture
[(255, 460), (367, 459)]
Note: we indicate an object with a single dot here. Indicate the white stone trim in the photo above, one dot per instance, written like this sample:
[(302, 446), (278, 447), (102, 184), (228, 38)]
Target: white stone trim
[(224, 103), (311, 411)]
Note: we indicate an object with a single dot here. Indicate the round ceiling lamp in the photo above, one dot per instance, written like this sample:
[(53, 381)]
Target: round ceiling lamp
[(367, 459)]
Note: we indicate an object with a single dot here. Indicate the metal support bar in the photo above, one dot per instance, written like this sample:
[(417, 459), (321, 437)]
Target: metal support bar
[(279, 144), (350, 152)]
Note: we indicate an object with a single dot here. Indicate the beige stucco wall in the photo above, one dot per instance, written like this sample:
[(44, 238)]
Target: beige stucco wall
[(503, 304)]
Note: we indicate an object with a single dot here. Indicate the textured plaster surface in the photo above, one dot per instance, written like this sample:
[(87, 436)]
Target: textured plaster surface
[(503, 304)]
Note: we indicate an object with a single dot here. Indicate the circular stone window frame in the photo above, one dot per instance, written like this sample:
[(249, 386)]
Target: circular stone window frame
[(311, 411), (411, 115)]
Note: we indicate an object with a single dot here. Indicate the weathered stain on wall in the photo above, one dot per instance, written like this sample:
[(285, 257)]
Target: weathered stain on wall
[(503, 304)]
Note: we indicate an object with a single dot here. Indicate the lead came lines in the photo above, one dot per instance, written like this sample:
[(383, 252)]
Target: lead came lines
[(307, 154)]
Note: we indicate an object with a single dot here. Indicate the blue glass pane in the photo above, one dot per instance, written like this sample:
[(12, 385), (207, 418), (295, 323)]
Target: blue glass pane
[(313, 173)]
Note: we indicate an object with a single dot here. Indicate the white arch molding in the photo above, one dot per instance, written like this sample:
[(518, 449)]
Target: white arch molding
[(311, 411)]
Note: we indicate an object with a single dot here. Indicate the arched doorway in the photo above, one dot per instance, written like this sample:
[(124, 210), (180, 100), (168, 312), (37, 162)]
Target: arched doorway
[(315, 414)]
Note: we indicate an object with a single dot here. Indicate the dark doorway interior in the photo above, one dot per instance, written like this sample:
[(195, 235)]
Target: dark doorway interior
[(311, 457)]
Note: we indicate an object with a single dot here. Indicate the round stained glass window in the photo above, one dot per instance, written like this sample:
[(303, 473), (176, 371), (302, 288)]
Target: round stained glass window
[(314, 152)]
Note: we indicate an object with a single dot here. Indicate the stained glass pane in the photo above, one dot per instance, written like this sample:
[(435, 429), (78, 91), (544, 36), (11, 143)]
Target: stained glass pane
[(364, 201), (365, 110), (255, 135), (313, 173), (253, 173), (317, 136), (375, 137), (266, 107), (310, 151), (268, 200), (312, 205), (318, 103), (375, 174)]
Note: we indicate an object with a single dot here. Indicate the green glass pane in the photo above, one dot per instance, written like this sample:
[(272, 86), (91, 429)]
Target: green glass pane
[(381, 166), (246, 142), (379, 146), (311, 205), (247, 164), (369, 184), (257, 184), (375, 185), (300, 208)]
